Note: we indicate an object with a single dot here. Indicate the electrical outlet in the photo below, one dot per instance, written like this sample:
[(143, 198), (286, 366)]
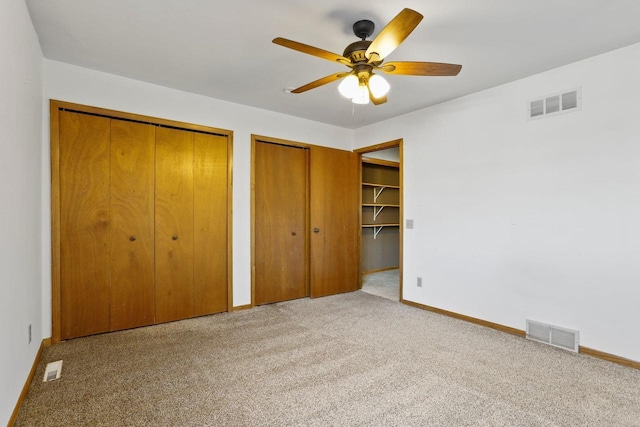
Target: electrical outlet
[(419, 282), (409, 224), (29, 333)]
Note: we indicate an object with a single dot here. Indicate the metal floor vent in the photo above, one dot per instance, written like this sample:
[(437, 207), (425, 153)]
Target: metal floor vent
[(556, 336), (557, 103), (53, 371)]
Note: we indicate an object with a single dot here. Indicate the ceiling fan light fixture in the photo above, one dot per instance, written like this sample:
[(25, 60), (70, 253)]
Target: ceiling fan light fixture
[(361, 96), (364, 56), (349, 86), (378, 85)]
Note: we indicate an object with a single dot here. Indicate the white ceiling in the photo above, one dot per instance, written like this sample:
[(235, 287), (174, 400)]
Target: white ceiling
[(223, 49)]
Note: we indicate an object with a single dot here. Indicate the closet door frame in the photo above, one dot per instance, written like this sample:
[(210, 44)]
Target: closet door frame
[(55, 106), (382, 146)]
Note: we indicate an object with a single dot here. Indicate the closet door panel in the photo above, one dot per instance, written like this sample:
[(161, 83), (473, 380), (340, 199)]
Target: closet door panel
[(280, 175), (84, 224), (210, 224), (174, 224), (132, 234), (335, 215)]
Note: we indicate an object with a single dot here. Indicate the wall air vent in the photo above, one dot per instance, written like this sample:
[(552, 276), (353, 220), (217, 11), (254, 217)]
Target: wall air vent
[(556, 103), (556, 336)]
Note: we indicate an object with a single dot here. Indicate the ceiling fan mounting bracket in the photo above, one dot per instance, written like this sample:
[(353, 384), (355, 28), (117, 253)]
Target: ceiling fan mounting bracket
[(363, 28)]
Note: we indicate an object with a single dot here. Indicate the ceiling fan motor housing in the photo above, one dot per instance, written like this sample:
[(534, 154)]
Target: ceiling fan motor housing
[(356, 51)]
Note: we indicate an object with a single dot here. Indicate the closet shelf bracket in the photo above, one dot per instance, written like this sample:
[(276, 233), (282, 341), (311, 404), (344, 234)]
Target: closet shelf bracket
[(377, 191), (376, 211)]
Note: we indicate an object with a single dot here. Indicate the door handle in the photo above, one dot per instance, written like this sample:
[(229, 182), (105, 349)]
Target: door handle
[(175, 237), (293, 233), (316, 230), (132, 238)]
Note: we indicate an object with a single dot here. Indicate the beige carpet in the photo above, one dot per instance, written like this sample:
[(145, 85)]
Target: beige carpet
[(346, 360), (384, 284)]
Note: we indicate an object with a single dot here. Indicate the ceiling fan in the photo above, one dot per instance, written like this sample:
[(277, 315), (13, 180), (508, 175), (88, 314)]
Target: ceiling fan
[(365, 56)]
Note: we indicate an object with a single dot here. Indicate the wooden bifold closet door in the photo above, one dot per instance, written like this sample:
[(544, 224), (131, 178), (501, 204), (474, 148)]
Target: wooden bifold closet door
[(306, 221), (84, 224), (142, 212), (131, 231), (281, 182), (190, 238), (334, 211)]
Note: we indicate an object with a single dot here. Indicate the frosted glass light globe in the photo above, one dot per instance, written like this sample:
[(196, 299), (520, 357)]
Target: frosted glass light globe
[(378, 85), (362, 95), (349, 86)]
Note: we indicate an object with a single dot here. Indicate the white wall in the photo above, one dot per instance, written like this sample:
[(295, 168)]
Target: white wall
[(80, 85), (20, 209), (518, 219), (391, 154)]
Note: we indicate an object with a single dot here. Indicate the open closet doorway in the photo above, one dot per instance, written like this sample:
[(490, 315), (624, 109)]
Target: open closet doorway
[(381, 219)]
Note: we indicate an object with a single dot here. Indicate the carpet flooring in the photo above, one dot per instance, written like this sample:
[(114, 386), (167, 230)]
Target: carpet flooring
[(384, 284), (347, 360)]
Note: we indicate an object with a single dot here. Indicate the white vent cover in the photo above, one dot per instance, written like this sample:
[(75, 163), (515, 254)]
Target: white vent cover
[(556, 103), (53, 371), (556, 336)]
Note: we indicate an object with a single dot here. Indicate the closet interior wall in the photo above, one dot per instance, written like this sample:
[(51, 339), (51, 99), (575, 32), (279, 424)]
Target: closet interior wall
[(380, 215)]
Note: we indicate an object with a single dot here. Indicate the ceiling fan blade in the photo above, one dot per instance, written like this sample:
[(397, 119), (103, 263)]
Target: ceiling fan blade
[(310, 50), (420, 68), (323, 81), (393, 34)]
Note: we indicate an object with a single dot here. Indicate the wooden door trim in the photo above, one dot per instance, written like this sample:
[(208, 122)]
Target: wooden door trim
[(55, 106), (230, 221), (115, 114), (384, 145), (55, 222), (279, 141), (380, 162), (252, 221), (270, 140)]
